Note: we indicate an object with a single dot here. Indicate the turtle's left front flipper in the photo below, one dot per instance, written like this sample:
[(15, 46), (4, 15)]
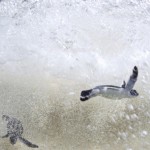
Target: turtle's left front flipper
[(29, 144), (132, 79), (5, 136)]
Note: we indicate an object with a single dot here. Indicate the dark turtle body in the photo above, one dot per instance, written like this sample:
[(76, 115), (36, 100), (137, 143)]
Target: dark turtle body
[(15, 131)]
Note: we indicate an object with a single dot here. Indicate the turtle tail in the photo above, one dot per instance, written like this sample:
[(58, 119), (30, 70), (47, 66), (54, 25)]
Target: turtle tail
[(29, 144)]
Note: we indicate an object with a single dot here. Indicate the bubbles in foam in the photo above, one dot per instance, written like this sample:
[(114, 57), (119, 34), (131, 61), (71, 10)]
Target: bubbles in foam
[(144, 133), (130, 107)]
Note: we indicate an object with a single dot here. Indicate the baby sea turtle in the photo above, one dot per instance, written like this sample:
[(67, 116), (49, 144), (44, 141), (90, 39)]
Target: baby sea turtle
[(15, 131), (114, 92)]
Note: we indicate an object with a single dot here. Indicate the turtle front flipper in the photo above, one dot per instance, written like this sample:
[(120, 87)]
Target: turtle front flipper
[(5, 136), (124, 84), (29, 144), (132, 80), (13, 140)]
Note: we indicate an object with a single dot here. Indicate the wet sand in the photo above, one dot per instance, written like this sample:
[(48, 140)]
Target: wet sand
[(54, 118)]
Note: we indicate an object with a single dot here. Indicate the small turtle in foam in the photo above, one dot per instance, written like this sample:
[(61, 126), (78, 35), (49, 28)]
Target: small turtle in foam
[(15, 131), (114, 92)]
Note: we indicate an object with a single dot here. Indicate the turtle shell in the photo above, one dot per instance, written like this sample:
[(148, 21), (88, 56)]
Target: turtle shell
[(14, 126)]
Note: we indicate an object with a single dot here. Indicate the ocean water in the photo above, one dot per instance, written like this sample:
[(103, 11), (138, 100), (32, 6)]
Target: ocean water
[(52, 50)]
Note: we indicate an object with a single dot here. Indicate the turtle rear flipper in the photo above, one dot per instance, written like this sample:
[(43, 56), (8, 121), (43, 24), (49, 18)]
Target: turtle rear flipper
[(29, 144)]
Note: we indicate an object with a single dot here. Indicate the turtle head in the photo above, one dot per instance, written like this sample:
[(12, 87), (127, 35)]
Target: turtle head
[(134, 93), (13, 140), (5, 117)]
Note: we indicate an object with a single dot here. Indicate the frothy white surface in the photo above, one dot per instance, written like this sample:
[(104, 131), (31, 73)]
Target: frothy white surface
[(49, 49)]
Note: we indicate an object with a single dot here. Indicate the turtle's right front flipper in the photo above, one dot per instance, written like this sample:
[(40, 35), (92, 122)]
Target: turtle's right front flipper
[(132, 79), (29, 144)]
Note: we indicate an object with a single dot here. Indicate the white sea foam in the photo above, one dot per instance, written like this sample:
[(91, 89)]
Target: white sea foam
[(51, 50)]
